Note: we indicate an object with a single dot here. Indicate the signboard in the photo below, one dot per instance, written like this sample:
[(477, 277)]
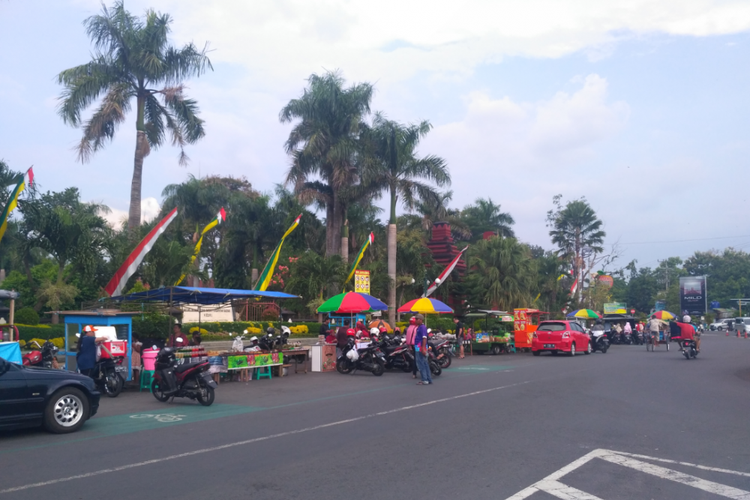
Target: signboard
[(715, 304), (362, 281), (606, 280), (693, 294), (660, 305), (615, 308), (191, 313)]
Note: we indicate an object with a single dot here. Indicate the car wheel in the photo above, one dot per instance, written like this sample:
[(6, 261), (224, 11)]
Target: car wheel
[(572, 349), (720, 328), (536, 353), (588, 349), (66, 411)]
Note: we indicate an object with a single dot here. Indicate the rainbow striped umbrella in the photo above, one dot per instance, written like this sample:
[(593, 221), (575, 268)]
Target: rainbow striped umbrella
[(352, 303), (663, 315), (583, 313), (425, 305)]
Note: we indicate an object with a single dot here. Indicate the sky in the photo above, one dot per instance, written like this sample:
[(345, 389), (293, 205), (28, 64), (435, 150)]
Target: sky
[(642, 107)]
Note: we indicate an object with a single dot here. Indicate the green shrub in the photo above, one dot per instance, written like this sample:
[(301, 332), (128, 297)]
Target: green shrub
[(26, 316), (41, 332), (217, 328)]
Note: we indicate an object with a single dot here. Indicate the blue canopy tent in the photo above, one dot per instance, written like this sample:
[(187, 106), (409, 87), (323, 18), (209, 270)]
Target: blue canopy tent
[(195, 295)]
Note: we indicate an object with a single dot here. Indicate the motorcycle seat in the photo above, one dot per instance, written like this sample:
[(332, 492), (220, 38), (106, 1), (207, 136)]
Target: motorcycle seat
[(187, 366)]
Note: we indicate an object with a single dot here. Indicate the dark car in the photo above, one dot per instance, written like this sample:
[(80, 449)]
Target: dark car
[(59, 400)]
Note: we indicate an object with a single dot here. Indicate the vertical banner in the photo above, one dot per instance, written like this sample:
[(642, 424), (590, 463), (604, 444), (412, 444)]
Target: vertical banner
[(693, 294), (362, 281)]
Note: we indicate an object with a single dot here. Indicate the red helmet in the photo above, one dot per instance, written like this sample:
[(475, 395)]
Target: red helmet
[(412, 320), (383, 330), (351, 332)]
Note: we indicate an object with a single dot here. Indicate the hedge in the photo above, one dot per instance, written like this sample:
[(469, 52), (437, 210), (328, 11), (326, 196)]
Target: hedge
[(253, 327), (28, 332)]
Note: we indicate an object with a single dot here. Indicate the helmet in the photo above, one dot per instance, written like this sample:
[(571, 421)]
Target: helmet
[(89, 328), (270, 330), (429, 330), (374, 331), (253, 338), (383, 330), (412, 320), (350, 332)]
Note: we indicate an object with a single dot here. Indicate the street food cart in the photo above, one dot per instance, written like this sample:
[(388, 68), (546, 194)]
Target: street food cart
[(525, 323), (496, 336)]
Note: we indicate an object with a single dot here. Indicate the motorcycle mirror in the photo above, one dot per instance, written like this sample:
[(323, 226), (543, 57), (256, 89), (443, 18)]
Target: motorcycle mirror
[(78, 335)]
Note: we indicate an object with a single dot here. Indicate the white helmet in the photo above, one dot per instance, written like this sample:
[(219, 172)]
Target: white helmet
[(429, 330), (253, 338), (374, 331)]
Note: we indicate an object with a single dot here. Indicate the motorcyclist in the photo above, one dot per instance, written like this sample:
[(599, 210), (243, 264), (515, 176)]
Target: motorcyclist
[(253, 344), (598, 327)]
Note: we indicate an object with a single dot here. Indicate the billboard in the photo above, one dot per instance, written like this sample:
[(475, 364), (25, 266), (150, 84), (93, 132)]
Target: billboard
[(615, 308), (693, 294), (606, 280), (362, 281), (660, 305)]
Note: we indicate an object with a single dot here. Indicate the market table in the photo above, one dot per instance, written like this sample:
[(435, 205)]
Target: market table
[(300, 355)]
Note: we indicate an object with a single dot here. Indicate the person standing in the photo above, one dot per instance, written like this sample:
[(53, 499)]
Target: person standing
[(177, 334), (86, 356), (324, 328), (411, 333), (420, 345), (459, 336), (342, 338)]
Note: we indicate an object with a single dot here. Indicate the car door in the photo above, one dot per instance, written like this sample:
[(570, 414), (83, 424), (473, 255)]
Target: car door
[(580, 337), (13, 393)]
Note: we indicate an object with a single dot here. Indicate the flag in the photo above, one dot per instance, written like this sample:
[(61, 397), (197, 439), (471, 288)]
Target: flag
[(267, 274), (361, 254), (220, 217), (116, 284), (573, 287), (435, 284), (26, 181)]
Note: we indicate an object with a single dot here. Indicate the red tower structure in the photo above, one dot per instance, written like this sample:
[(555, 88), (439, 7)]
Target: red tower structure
[(444, 250)]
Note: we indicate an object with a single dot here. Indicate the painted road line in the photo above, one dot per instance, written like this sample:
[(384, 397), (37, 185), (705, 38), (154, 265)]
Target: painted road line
[(553, 486), (560, 490), (256, 440), (687, 464), (678, 477)]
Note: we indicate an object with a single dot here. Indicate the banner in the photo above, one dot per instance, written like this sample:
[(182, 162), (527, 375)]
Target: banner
[(693, 294), (26, 181), (615, 308), (220, 217), (441, 279), (606, 280), (116, 284), (235, 361), (660, 305), (361, 254), (265, 277), (362, 281)]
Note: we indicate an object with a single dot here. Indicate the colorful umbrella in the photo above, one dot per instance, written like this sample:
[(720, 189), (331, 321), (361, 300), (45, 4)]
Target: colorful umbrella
[(352, 302), (425, 305), (663, 315), (378, 323), (583, 313)]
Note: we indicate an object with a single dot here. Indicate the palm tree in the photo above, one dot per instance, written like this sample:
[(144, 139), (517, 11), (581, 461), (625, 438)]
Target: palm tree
[(399, 171), (133, 60), (436, 210), (576, 230), (501, 274), (484, 216), (324, 144)]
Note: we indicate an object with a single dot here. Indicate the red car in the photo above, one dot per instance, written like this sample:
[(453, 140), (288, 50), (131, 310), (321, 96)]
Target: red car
[(560, 335)]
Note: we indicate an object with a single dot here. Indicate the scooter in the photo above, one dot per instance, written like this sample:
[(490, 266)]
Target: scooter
[(599, 341), (689, 349), (397, 355), (44, 356), (442, 351), (370, 359), (188, 380)]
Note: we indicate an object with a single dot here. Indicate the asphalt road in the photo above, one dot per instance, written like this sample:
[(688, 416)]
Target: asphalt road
[(626, 424)]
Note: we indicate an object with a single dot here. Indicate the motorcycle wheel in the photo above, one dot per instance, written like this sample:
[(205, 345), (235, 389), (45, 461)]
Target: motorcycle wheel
[(686, 354), (604, 349), (206, 394), (343, 366), (435, 369), (377, 369), (406, 366), (113, 385), (158, 393), (445, 361)]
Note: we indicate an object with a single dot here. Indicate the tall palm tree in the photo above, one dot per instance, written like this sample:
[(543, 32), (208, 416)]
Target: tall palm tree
[(324, 146), (576, 230), (133, 60), (436, 210), (485, 215), (399, 170), (501, 273)]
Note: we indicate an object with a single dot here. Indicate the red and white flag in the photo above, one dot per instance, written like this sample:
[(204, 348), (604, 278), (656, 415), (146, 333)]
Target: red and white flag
[(116, 284), (441, 279)]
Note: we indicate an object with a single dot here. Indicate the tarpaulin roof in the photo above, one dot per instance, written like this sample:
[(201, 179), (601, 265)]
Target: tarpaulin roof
[(195, 295)]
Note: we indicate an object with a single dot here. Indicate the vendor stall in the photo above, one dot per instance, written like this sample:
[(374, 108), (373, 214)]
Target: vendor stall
[(495, 337), (525, 322)]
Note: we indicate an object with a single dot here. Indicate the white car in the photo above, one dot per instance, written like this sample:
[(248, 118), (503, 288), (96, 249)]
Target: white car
[(720, 325)]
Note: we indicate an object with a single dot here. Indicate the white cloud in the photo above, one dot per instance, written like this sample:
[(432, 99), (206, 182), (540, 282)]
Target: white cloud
[(149, 209)]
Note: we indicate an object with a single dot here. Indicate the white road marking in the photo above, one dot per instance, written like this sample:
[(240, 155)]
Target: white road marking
[(678, 477), (553, 486), (255, 440)]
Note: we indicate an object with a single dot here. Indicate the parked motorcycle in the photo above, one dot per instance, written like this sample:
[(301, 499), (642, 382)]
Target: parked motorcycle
[(397, 354), (43, 356), (107, 374), (636, 337), (370, 359), (442, 351), (188, 380)]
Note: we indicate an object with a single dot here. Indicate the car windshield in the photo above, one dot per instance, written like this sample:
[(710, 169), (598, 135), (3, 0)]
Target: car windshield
[(552, 327)]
